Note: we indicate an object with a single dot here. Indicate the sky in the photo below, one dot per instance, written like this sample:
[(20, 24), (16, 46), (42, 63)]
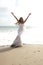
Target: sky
[(21, 8)]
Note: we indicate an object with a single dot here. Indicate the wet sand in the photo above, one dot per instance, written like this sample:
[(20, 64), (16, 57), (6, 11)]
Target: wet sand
[(26, 55)]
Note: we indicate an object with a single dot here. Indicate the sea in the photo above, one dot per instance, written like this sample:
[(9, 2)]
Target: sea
[(30, 35)]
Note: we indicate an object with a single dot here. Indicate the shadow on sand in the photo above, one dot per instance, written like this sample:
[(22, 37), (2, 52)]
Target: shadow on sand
[(5, 48)]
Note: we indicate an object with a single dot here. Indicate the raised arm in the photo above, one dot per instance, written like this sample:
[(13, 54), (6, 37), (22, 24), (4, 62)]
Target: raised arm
[(14, 16), (27, 17)]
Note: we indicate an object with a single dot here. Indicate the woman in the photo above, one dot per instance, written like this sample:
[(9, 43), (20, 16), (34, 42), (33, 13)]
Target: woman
[(17, 42)]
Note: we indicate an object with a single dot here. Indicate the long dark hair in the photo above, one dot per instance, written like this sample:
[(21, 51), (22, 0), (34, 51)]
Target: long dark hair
[(21, 20)]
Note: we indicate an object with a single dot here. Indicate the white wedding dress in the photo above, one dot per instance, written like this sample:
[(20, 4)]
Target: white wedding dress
[(17, 42)]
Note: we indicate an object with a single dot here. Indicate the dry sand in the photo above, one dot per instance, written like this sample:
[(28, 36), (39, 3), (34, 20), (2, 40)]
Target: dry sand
[(26, 55)]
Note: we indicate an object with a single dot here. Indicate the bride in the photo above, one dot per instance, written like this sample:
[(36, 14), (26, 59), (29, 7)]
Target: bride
[(17, 42)]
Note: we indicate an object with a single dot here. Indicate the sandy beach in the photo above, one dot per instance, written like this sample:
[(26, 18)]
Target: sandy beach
[(26, 55)]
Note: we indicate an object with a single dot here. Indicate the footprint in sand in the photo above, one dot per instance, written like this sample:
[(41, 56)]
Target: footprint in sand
[(34, 52), (19, 64), (38, 50)]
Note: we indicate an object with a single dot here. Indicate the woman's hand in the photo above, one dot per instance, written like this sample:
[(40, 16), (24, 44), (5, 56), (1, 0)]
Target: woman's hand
[(14, 16), (11, 12), (27, 17), (29, 14)]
